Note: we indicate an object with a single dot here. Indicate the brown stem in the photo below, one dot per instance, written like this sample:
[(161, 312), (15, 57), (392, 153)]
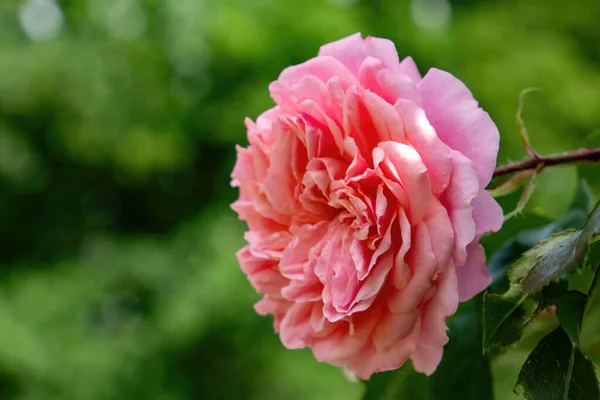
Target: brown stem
[(588, 155)]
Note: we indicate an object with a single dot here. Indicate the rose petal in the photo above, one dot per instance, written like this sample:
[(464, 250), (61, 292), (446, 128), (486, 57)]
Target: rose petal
[(353, 50), (473, 276), (487, 213), (409, 68), (459, 122)]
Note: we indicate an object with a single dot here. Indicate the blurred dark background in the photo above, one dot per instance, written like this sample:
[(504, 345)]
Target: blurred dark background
[(118, 120)]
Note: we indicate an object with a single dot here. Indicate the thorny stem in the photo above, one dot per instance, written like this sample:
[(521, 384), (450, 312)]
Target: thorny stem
[(539, 162)]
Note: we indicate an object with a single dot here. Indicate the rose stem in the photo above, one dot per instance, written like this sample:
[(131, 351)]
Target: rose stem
[(588, 155)]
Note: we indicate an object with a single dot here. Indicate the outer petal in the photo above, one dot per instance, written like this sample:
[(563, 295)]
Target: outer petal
[(473, 276), (261, 273), (352, 51), (409, 68), (487, 213), (370, 361), (459, 121), (295, 326)]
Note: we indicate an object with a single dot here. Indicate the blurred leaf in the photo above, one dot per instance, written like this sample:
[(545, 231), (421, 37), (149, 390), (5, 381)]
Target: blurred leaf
[(464, 372), (525, 195), (570, 309), (504, 318), (593, 291), (550, 199), (583, 198), (511, 184), (404, 383), (558, 370)]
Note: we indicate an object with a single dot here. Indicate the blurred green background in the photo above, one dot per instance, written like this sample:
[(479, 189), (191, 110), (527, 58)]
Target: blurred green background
[(118, 120)]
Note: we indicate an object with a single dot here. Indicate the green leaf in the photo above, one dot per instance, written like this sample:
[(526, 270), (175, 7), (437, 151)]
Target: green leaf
[(551, 293), (570, 309), (555, 289), (554, 246), (504, 318), (464, 372), (404, 383), (555, 256), (536, 266), (512, 250), (549, 260), (558, 370)]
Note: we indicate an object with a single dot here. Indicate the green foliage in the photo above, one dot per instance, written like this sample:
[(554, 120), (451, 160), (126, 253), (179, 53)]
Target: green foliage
[(464, 372), (553, 257), (404, 383), (543, 260), (503, 259), (557, 370), (570, 307), (504, 318)]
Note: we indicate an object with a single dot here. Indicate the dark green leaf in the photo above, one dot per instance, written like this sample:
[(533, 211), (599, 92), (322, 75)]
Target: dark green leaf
[(555, 289), (570, 308), (504, 318), (557, 370), (404, 383), (464, 372), (593, 290), (551, 293)]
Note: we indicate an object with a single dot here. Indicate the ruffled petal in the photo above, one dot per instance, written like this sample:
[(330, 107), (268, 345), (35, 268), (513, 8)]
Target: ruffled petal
[(353, 50)]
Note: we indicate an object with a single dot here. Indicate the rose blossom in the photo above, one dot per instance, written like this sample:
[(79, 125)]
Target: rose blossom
[(363, 191)]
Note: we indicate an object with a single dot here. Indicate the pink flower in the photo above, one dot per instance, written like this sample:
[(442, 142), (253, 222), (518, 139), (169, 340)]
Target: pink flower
[(363, 191)]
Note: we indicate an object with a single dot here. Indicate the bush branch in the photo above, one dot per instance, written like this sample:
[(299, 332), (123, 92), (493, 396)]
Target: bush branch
[(540, 162)]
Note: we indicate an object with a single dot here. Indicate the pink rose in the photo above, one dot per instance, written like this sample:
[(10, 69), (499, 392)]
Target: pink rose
[(363, 191)]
